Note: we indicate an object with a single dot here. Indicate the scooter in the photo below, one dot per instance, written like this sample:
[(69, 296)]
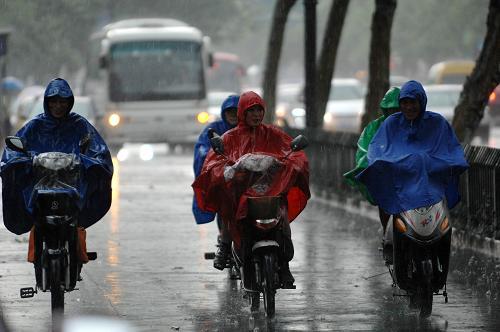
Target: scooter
[(421, 253), (55, 195), (260, 257)]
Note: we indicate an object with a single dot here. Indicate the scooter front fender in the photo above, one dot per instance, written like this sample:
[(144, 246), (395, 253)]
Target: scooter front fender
[(259, 245)]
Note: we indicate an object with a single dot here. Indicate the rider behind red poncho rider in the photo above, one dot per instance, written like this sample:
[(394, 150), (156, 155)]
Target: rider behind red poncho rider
[(228, 198)]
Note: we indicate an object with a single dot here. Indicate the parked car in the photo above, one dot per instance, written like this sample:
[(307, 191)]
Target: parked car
[(83, 106), (443, 98), (345, 106)]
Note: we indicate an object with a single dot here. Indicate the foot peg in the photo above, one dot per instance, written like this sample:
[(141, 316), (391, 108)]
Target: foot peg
[(27, 292), (210, 255), (288, 286), (92, 255)]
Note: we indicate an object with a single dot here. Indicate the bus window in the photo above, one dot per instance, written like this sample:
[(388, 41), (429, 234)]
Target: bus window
[(155, 70)]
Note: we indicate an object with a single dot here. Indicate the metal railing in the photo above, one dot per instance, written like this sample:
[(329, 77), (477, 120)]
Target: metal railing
[(332, 154)]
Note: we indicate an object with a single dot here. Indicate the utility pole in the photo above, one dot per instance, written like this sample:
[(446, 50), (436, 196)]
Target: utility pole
[(310, 62)]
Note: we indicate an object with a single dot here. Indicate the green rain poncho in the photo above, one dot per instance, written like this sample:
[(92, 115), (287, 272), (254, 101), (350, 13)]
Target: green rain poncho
[(389, 101)]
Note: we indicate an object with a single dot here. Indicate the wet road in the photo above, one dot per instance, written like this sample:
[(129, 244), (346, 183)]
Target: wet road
[(151, 272)]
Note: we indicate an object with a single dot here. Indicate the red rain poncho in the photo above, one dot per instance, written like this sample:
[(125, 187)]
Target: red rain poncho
[(229, 198)]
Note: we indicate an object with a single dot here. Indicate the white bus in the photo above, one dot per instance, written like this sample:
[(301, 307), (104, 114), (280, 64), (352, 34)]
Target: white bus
[(149, 78)]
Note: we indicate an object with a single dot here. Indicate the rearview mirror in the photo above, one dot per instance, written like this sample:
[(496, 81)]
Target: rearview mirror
[(16, 143), (299, 143), (216, 141)]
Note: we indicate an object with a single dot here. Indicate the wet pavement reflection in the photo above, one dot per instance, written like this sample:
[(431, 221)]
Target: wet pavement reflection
[(151, 271)]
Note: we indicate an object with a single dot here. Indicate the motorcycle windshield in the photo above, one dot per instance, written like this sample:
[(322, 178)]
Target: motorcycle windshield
[(261, 169), (56, 170)]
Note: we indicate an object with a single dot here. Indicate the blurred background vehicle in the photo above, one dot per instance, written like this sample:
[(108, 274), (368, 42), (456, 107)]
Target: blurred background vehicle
[(10, 87), (149, 77), (450, 71), (83, 106), (397, 80), (290, 110), (215, 99), (443, 98), (343, 110), (345, 105), (494, 105), (226, 72), (22, 105)]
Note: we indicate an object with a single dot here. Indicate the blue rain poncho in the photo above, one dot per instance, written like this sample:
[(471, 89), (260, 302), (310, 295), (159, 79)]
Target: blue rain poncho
[(46, 133), (203, 146), (416, 163)]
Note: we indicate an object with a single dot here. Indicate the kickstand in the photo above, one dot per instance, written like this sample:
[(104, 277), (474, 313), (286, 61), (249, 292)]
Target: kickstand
[(445, 294)]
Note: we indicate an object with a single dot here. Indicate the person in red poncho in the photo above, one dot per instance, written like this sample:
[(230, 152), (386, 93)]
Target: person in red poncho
[(228, 198)]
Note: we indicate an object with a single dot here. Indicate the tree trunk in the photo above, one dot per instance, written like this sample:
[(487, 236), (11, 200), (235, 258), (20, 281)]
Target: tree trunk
[(327, 58), (380, 52), (280, 16), (484, 78)]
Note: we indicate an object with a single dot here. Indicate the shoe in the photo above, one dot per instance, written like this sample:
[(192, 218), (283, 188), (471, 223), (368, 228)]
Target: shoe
[(286, 277), (222, 257), (79, 277)]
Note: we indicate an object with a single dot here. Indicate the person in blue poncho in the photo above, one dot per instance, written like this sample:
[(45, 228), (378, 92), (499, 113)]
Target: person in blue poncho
[(56, 130), (228, 120), (415, 159)]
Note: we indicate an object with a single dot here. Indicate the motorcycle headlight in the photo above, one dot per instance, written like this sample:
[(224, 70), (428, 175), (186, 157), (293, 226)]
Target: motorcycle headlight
[(266, 224), (445, 224), (400, 225)]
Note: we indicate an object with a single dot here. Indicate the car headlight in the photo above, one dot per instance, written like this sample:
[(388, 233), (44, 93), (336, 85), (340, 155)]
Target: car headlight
[(280, 111), (203, 117), (327, 118), (114, 120)]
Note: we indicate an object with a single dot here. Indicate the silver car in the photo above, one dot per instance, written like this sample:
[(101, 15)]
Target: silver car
[(443, 98), (345, 106)]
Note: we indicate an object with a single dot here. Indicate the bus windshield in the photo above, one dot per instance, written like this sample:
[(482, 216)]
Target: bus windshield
[(156, 70)]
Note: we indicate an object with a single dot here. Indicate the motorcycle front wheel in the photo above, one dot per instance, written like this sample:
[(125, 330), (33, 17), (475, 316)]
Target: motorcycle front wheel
[(268, 289), (426, 297), (56, 289)]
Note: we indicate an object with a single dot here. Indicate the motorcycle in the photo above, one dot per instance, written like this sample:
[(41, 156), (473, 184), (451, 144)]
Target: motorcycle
[(421, 240), (260, 256), (56, 242)]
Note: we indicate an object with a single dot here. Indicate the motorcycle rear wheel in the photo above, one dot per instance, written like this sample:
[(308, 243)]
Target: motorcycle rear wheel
[(268, 288), (254, 301), (56, 288)]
